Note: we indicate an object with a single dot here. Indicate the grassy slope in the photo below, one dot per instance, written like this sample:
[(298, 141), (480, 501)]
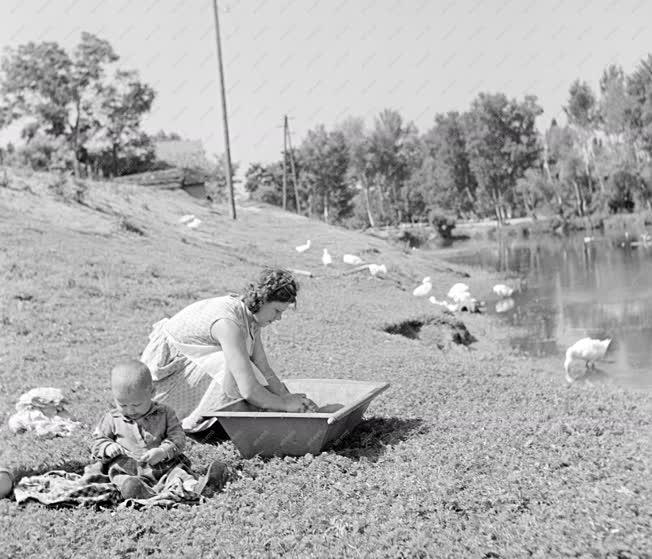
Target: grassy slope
[(475, 452)]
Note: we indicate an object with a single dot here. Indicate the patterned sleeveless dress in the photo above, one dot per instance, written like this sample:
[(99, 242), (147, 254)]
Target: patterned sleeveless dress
[(190, 388)]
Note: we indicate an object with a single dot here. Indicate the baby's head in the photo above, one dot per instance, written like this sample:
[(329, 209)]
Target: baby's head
[(131, 384)]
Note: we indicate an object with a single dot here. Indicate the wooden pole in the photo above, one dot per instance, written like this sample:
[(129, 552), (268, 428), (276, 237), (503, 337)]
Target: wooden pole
[(294, 172), (227, 147), (285, 150)]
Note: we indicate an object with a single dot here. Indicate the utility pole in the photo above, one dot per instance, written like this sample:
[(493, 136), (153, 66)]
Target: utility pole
[(294, 169), (227, 148), (285, 151)]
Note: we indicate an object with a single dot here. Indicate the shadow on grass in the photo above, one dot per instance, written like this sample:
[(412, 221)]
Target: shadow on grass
[(370, 438), (72, 466)]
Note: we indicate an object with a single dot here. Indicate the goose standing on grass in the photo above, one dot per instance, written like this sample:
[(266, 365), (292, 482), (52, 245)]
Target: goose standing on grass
[(186, 218), (352, 259), (194, 223), (503, 290), (303, 248), (452, 307), (423, 289), (459, 292), (586, 349), (375, 269), (326, 258)]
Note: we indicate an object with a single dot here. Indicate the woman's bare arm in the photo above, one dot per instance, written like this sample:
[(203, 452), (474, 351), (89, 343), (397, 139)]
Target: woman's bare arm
[(229, 335), (259, 359)]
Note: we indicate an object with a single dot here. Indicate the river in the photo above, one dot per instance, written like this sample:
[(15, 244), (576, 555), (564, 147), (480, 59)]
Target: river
[(596, 286)]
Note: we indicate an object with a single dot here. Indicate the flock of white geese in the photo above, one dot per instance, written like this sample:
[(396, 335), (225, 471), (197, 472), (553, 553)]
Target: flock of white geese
[(459, 298)]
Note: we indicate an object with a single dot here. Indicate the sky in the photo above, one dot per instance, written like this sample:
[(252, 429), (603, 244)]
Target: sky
[(321, 61)]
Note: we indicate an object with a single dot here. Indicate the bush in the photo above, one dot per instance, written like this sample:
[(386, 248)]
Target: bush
[(621, 188), (443, 223)]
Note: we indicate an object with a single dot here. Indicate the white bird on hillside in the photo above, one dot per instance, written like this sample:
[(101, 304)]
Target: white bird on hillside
[(423, 289), (352, 259), (452, 307), (326, 258), (186, 218), (194, 223), (459, 292), (303, 248), (375, 269), (587, 349), (588, 240), (503, 290)]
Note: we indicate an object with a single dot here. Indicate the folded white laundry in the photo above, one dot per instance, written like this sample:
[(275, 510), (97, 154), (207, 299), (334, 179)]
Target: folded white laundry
[(42, 411)]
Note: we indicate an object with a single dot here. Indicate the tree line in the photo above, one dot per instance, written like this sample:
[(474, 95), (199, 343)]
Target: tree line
[(490, 161), (81, 108)]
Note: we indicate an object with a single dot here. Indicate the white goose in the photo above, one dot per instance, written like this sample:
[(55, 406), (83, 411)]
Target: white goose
[(452, 307), (503, 290), (587, 349), (186, 218), (375, 269), (326, 258), (352, 259), (423, 289), (196, 222), (459, 292), (303, 248)]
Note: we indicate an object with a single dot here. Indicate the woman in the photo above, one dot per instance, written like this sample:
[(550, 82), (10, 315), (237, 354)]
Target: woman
[(211, 353)]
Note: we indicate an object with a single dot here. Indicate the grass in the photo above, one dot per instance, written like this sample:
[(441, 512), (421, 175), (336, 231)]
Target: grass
[(474, 451)]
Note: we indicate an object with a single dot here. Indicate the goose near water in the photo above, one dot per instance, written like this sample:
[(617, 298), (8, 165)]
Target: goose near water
[(503, 290), (326, 258), (459, 292), (586, 349), (352, 259), (423, 289), (303, 248)]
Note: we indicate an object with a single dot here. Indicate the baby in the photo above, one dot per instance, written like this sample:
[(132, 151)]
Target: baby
[(140, 442)]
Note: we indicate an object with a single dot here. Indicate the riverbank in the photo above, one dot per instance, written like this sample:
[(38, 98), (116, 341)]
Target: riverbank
[(473, 451)]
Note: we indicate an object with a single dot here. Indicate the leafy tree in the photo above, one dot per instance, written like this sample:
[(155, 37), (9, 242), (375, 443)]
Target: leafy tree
[(639, 90), (360, 170), (502, 144), (450, 183), (120, 107), (324, 158), (71, 96), (390, 152)]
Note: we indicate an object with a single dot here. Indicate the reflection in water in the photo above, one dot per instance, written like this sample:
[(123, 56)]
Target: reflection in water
[(576, 289), (505, 305)]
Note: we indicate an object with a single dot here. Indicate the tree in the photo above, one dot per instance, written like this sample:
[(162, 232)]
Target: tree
[(359, 170), (324, 158), (120, 107), (71, 96), (502, 143), (450, 184), (639, 115), (390, 150)]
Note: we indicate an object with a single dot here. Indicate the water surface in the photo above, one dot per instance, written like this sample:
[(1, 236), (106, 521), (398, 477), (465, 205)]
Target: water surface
[(600, 287)]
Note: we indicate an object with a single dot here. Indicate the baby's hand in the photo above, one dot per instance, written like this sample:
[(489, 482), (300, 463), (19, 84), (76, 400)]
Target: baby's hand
[(154, 456), (113, 450)]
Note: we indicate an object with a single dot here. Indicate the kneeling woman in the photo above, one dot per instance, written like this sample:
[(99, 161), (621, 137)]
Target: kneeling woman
[(210, 353)]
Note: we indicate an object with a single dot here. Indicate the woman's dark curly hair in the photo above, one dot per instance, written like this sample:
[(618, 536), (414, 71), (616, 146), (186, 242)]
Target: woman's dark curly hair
[(273, 284)]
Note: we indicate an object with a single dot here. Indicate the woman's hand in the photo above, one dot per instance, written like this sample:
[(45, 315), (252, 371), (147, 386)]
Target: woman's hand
[(298, 403)]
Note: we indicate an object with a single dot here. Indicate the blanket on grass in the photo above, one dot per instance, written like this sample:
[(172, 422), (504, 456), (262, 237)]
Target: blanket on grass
[(93, 488)]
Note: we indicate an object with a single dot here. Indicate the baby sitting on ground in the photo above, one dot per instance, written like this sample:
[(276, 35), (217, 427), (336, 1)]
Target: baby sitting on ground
[(139, 443)]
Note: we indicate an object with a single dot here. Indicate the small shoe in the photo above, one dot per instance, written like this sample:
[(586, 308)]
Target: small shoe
[(135, 488), (212, 481)]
